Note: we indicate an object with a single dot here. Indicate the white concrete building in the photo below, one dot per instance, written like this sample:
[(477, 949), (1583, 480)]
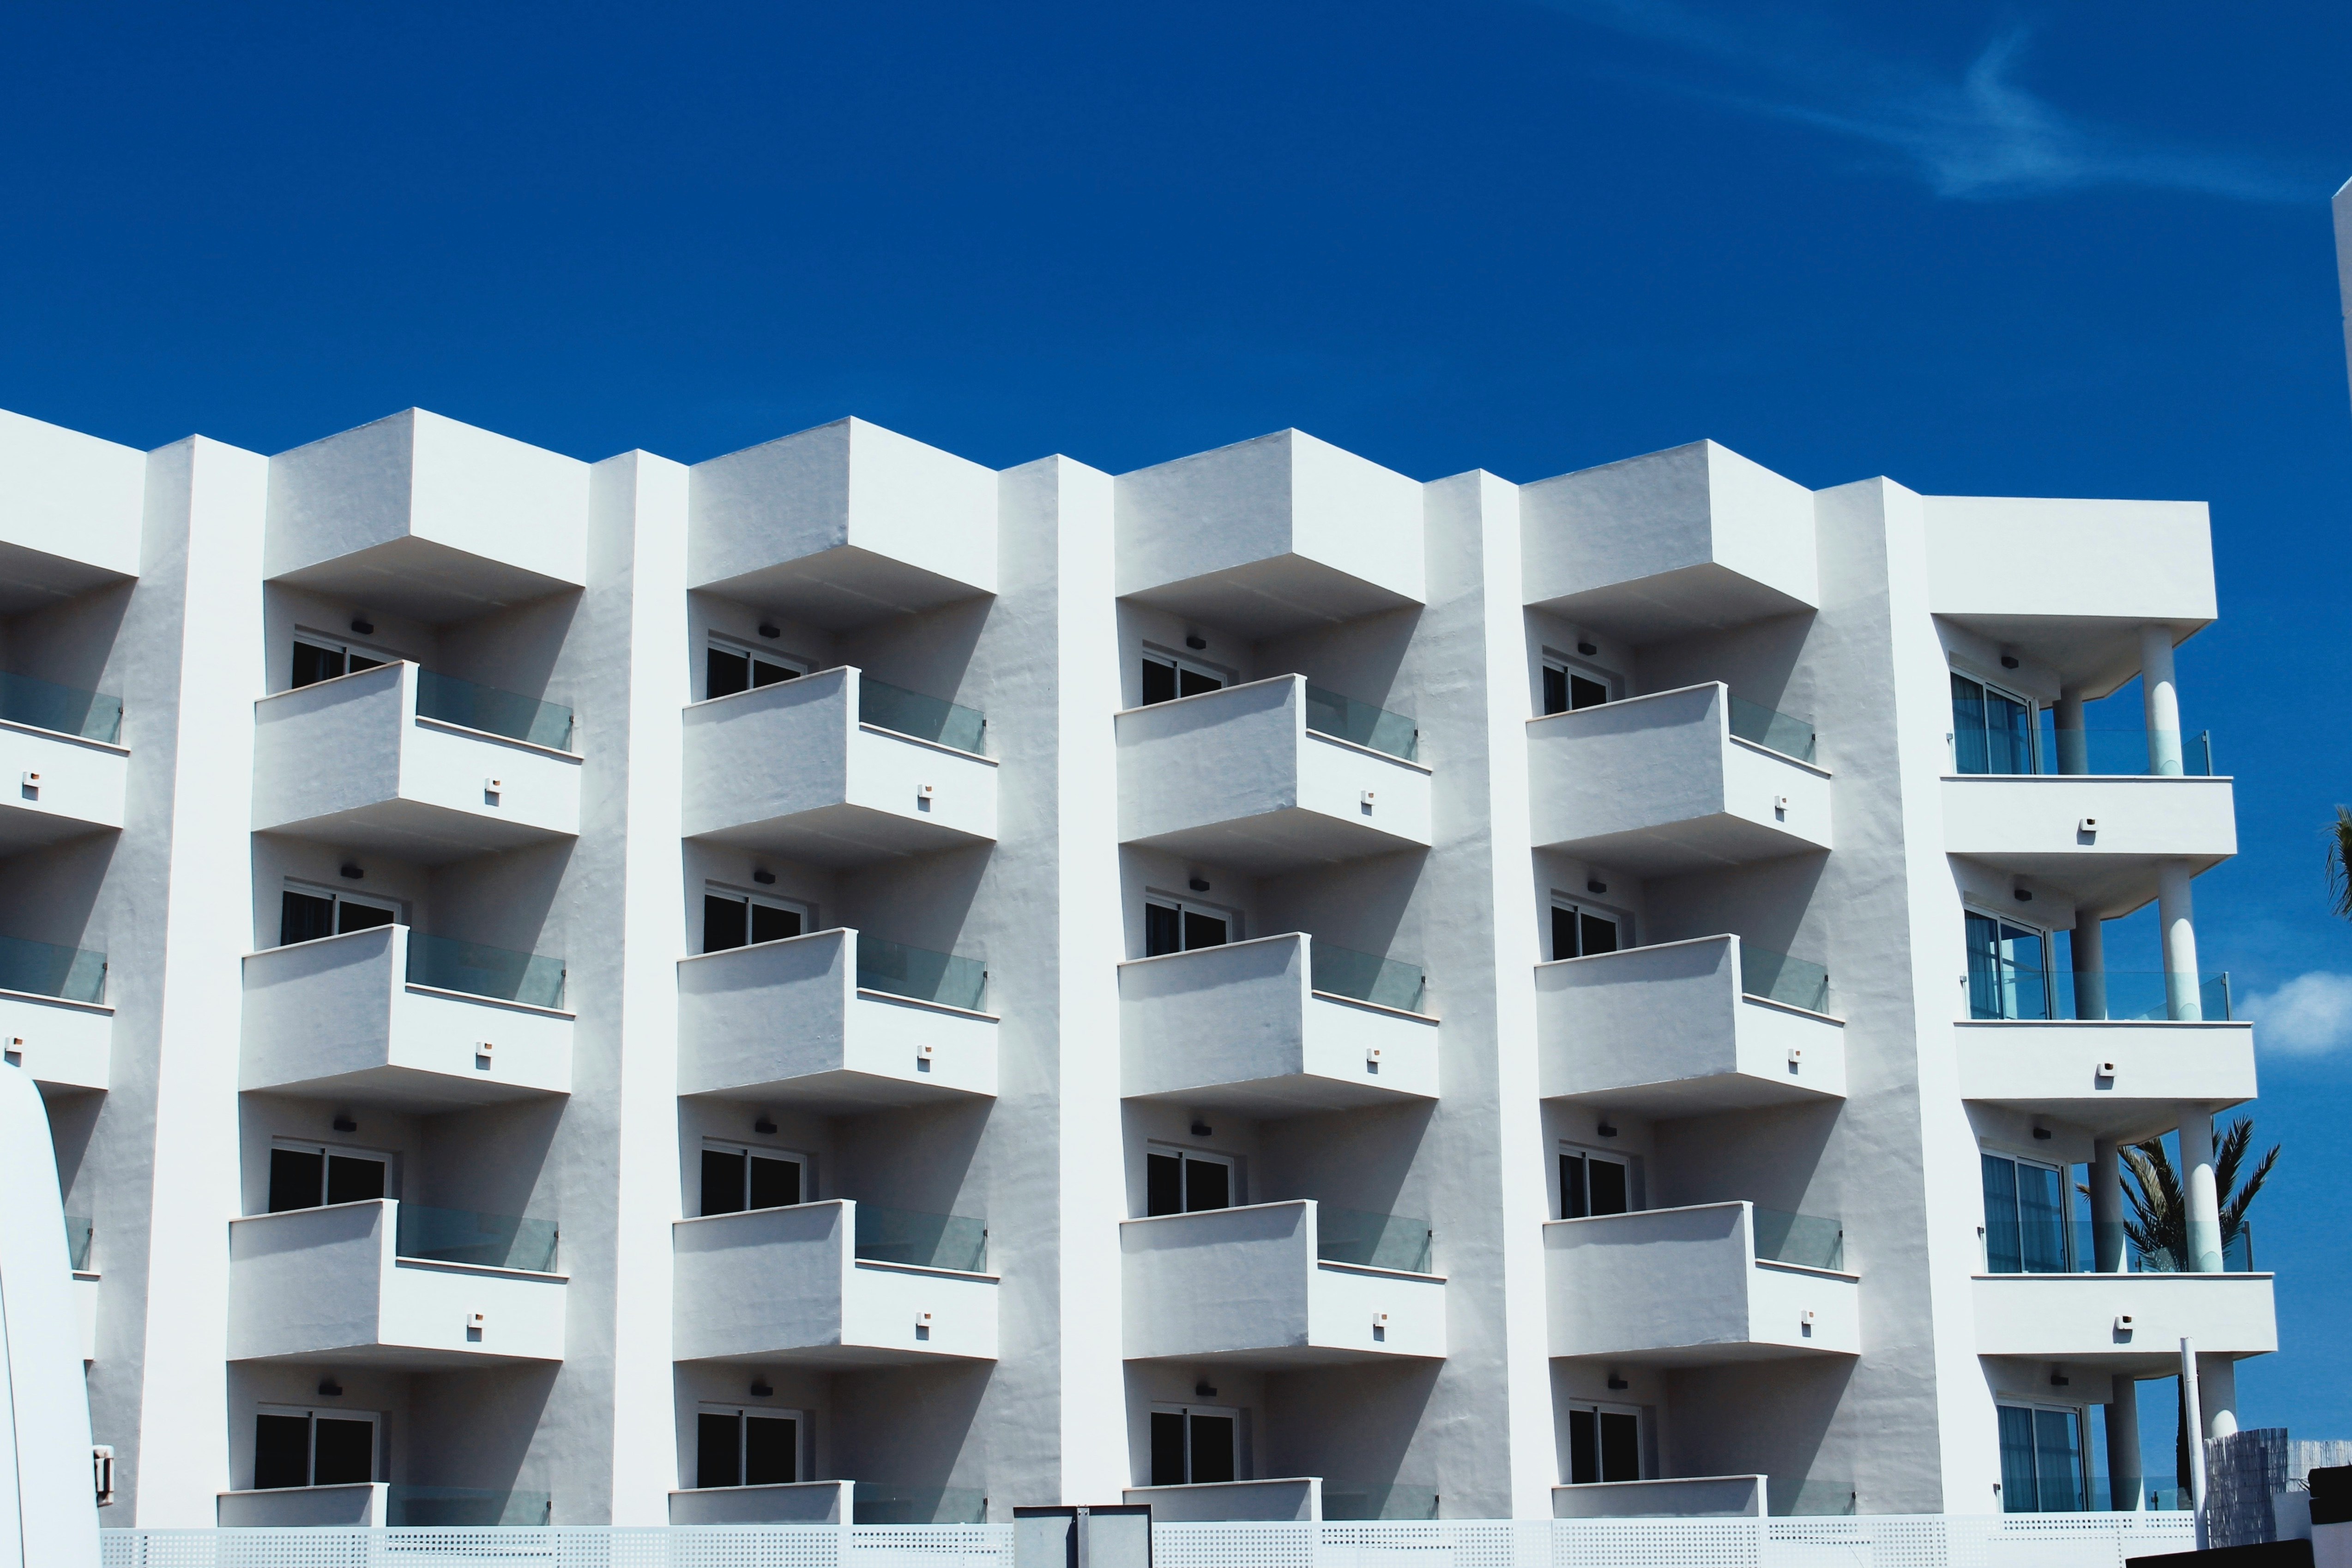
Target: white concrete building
[(834, 982)]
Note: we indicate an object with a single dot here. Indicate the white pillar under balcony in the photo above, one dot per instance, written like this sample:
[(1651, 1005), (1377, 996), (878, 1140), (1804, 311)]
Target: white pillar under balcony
[(2204, 1219), (2126, 1494), (2176, 920), (2074, 744), (2217, 1394), (2161, 699), (2089, 949), (2106, 1207)]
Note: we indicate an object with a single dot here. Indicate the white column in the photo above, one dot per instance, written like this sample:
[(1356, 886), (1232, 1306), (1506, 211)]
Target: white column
[(2204, 1225), (2126, 1494), (2217, 1394), (2090, 955), (2161, 699), (2073, 745), (2106, 1207), (2176, 920), (2195, 1479)]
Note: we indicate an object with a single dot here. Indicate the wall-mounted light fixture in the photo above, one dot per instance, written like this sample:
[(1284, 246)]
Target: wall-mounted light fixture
[(765, 1124), (1200, 1128), (363, 625), (1204, 1389), (1607, 1128), (343, 1123), (352, 870), (1195, 641), (1587, 649), (764, 876), (2009, 661), (329, 1389), (1199, 884), (1618, 1385), (1595, 885), (770, 629), (760, 1389)]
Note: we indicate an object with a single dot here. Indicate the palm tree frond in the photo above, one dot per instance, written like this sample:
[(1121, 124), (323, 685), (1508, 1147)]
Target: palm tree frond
[(2339, 863)]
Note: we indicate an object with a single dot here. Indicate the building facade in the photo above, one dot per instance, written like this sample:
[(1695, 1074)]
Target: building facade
[(835, 982)]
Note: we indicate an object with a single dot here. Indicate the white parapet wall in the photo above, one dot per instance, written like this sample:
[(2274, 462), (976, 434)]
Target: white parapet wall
[(60, 1045), (1683, 1287), (2128, 1321), (70, 510), (57, 787), (2112, 1078)]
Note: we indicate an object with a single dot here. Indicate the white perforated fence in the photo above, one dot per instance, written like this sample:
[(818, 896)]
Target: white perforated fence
[(1926, 1541)]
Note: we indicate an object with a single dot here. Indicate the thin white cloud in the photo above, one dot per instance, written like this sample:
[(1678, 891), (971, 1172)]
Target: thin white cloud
[(1977, 134), (2309, 1015)]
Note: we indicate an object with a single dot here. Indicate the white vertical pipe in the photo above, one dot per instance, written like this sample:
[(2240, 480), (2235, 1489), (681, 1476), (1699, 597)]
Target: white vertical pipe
[(2204, 1218), (2176, 919), (2160, 698), (2194, 1424)]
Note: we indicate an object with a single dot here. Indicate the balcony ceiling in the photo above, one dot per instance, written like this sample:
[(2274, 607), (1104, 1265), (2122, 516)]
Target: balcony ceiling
[(421, 580), (843, 589), (414, 831), (33, 579), (1272, 597)]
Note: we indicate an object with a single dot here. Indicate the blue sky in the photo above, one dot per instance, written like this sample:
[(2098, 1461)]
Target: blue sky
[(2077, 250)]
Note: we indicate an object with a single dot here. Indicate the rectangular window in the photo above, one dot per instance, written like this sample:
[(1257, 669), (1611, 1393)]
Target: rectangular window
[(1194, 1445), (1604, 1443), (306, 914), (1180, 925), (1594, 1184), (1185, 1181), (293, 1447), (2041, 1460), (1567, 687), (741, 1447), (728, 668), (2025, 1217), (1580, 930), (305, 1175), (1167, 677), (318, 659), (2008, 969), (1992, 732), (731, 919), (738, 1176)]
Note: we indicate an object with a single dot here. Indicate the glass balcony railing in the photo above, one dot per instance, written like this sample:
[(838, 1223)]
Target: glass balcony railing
[(878, 1502), (447, 965), (1776, 977), (1807, 1241), (1378, 1500), (487, 1240), (1398, 1241), (45, 969), (2004, 988), (2237, 1257), (46, 705), (1754, 722), (79, 1231), (2047, 1243), (921, 1240), (1345, 719), (1367, 977), (2118, 753), (896, 970), (446, 1508), (932, 719), (492, 712)]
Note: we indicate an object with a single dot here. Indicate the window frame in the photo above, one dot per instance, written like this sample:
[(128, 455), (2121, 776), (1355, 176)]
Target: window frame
[(1185, 905), (727, 892), (1570, 668), (1598, 1408), (1231, 1413), (2069, 1243), (1635, 1197), (310, 1414), (722, 642), (2081, 1439), (744, 1415), (1583, 908), (805, 1161), (2005, 985), (1236, 1197), (342, 646), (389, 1159), (338, 896), (1987, 689)]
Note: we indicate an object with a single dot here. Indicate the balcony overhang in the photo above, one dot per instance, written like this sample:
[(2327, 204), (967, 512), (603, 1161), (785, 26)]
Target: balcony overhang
[(2080, 1318), (2057, 1070), (2030, 826)]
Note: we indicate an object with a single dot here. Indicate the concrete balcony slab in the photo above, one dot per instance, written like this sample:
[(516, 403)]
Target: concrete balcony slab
[(1290, 1500), (57, 787), (1241, 1028), (788, 770), (1236, 776), (1675, 1496), (2033, 825), (786, 1021), (2121, 1081), (360, 1505), (327, 1285), (1246, 1287), (338, 1017), (1658, 784), (350, 761), (786, 1285), (1667, 1031), (1684, 1286), (2082, 1317), (68, 1048), (1270, 535), (798, 1502), (72, 507)]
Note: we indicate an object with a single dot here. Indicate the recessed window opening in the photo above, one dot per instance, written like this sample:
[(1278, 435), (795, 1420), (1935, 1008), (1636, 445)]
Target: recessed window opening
[(2026, 1228), (1569, 685), (1168, 676), (1186, 1181), (318, 657), (2044, 1459), (739, 1176), (729, 666), (1172, 925), (306, 913), (304, 1176), (1194, 1445), (739, 1447), (2009, 968), (1993, 731), (731, 918), (1604, 1443), (1592, 1183), (298, 1448), (1581, 930)]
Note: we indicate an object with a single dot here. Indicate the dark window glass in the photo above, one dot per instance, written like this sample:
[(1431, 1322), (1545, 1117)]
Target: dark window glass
[(1167, 1448), (1555, 690), (1159, 686), (1621, 1447), (717, 1461), (282, 1451), (2058, 1460), (763, 673), (1163, 1187), (2003, 1251), (303, 918), (1212, 1448), (1573, 1202), (1203, 931), (722, 1181), (772, 1451), (297, 1177), (2041, 1218), (1207, 1185), (723, 675), (358, 916), (1608, 1180), (1583, 692), (1162, 931), (724, 924), (771, 925), (775, 1183), (1191, 683), (1597, 934), (346, 1453), (2007, 973), (1583, 1446), (1563, 934), (354, 663), (313, 664), (351, 1180), (2017, 1492)]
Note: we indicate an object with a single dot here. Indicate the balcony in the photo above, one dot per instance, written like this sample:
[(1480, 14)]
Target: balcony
[(2098, 839), (422, 517), (1278, 1026), (783, 1502), (836, 1021), (1702, 1286), (1271, 776), (842, 526), (407, 1022), (837, 1284), (1269, 536), (1683, 1028), (1291, 1500), (62, 748), (838, 770), (1677, 1497), (1674, 782), (72, 508), (1281, 1285), (54, 1023), (376, 1506), (404, 761), (1690, 540), (389, 1284), (2124, 1079), (2123, 1322)]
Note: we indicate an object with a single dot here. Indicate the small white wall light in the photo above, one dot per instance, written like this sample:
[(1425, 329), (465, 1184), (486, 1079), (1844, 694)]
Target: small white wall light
[(483, 1051), (1796, 1058), (1372, 1058), (15, 1050), (1805, 1323), (1369, 795), (493, 788), (924, 1055), (2107, 1070), (2088, 827), (33, 786), (475, 1322), (923, 1325), (2124, 1325), (1781, 805), (1380, 1325)]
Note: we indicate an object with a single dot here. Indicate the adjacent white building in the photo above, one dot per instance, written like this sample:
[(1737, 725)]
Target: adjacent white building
[(836, 983)]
